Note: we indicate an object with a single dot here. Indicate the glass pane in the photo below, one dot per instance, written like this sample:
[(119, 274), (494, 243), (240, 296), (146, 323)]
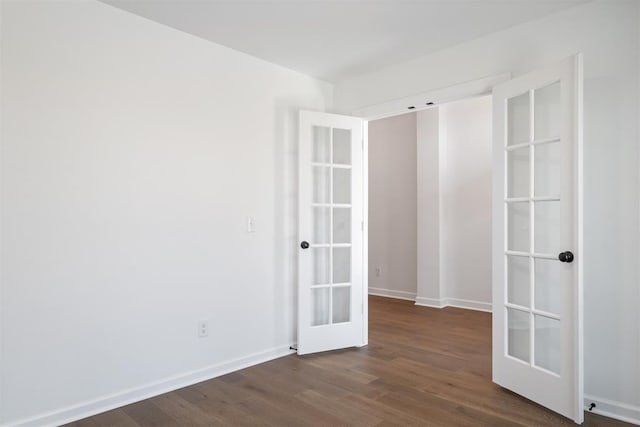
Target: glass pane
[(518, 119), (547, 343), (320, 266), (321, 185), (342, 186), (518, 226), (342, 146), (321, 226), (518, 173), (547, 227), (518, 339), (320, 306), (547, 170), (518, 278), (547, 112), (548, 285), (341, 304), (341, 225), (320, 145), (341, 265)]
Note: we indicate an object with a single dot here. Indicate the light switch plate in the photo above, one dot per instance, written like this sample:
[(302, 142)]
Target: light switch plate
[(251, 224)]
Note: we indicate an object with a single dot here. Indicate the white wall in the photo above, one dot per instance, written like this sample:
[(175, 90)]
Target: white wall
[(466, 187), (607, 34), (132, 154), (392, 206)]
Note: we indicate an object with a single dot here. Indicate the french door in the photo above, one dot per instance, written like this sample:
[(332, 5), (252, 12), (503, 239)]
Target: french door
[(537, 253), (331, 199)]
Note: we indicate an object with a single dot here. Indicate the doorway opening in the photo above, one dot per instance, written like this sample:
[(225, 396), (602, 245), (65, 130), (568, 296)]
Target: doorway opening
[(430, 205)]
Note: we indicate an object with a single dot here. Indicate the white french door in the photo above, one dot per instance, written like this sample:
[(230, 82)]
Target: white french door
[(330, 268), (537, 254)]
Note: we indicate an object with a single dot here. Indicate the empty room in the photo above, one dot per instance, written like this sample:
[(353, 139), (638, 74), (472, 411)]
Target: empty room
[(319, 213)]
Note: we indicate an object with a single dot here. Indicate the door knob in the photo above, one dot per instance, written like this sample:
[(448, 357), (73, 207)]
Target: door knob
[(304, 244), (566, 256)]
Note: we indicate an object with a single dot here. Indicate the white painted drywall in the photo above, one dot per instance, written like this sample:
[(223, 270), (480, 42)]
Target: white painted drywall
[(132, 154), (607, 34), (428, 207), (465, 185), (392, 206)]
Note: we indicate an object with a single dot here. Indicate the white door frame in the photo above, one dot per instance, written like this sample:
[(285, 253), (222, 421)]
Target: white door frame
[(431, 98), (410, 104)]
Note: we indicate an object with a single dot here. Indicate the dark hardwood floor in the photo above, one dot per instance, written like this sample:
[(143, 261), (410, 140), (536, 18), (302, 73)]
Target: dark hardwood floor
[(423, 367)]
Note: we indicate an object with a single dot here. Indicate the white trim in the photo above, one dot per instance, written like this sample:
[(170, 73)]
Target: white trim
[(132, 395), (579, 202), (439, 96), (455, 302), (469, 304), (365, 232), (390, 293), (612, 409), (430, 302)]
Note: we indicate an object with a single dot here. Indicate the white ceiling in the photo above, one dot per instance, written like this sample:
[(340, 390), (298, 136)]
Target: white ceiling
[(332, 39)]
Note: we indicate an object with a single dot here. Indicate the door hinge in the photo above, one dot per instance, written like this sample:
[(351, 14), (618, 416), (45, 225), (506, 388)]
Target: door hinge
[(361, 225)]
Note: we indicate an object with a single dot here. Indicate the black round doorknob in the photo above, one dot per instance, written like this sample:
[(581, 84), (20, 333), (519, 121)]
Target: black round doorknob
[(304, 245), (566, 256)]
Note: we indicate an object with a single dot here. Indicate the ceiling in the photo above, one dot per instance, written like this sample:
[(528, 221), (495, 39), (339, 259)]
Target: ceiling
[(333, 40)]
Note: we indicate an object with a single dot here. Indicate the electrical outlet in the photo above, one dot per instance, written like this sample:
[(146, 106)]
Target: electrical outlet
[(203, 328), (378, 271)]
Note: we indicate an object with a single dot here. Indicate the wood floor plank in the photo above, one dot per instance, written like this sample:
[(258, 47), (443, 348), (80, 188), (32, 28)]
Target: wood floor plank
[(107, 419), (146, 413), (350, 415), (422, 367), (382, 411), (184, 412)]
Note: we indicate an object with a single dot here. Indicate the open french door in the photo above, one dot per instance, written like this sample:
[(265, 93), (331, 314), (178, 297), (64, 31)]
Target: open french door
[(330, 268), (537, 243)]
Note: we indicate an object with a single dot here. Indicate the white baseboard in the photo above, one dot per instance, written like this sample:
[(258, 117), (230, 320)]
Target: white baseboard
[(469, 304), (430, 302), (454, 302), (390, 293), (126, 397), (608, 408)]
